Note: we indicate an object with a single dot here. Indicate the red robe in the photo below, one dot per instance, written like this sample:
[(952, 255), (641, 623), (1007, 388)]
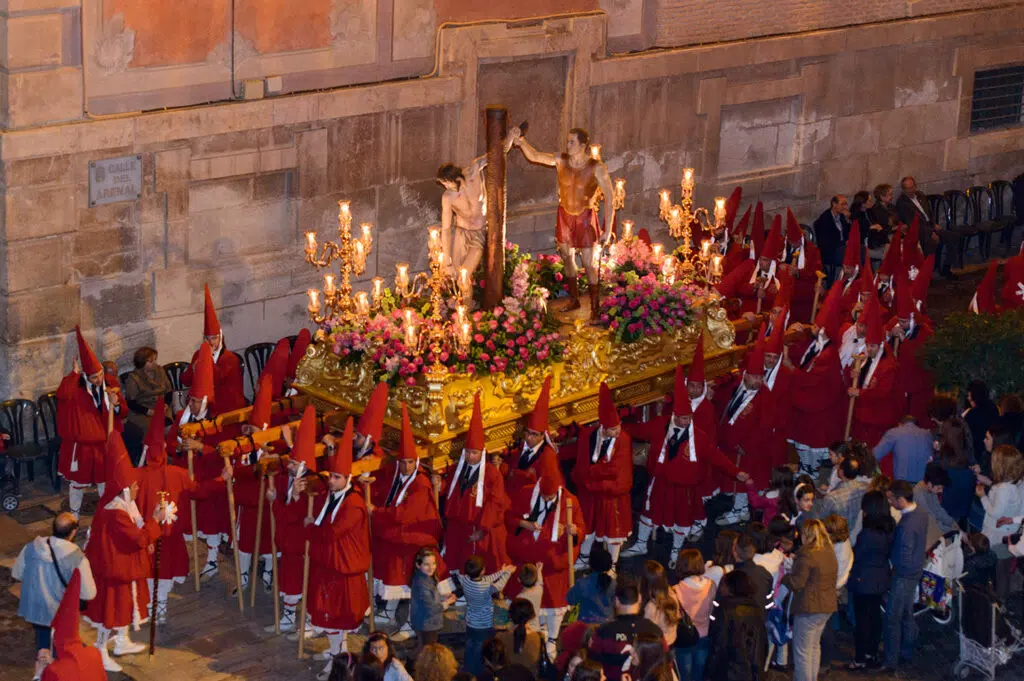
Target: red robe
[(228, 387), (212, 514), (119, 556), (677, 484), (155, 477), (705, 418), (879, 405), (805, 283), (464, 518), (604, 487), (401, 529), (83, 430), (735, 255), (79, 662), (912, 377), (523, 547), (737, 285), (544, 463), (339, 556), (849, 298), (291, 544), (818, 399), (752, 432)]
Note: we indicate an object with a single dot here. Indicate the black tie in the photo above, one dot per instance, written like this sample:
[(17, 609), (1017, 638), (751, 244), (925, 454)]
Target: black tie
[(97, 398), (526, 458), (677, 439), (734, 404), (603, 451), (395, 486), (809, 356), (332, 503), (862, 379), (467, 478)]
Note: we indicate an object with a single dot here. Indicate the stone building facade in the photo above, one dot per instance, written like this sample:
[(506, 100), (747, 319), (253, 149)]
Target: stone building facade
[(363, 100)]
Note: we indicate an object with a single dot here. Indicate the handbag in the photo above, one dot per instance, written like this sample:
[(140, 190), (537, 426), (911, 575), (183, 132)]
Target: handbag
[(546, 670), (82, 603), (687, 635)]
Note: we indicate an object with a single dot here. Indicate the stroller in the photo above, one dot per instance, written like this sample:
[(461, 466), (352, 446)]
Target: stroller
[(987, 639), (943, 565)]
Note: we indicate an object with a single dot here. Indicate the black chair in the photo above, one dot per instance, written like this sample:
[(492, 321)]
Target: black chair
[(18, 417), (940, 209), (256, 356), (242, 369), (961, 220), (47, 409), (174, 370), (809, 234), (291, 341), (1003, 210), (980, 205), (123, 376)]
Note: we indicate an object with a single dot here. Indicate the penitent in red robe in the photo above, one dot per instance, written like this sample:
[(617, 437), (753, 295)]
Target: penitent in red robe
[(878, 406), (912, 376), (805, 283), (523, 547), (339, 556), (522, 475), (737, 285), (604, 486), (212, 515), (402, 528), (83, 429), (228, 388), (464, 517), (818, 399), (752, 431)]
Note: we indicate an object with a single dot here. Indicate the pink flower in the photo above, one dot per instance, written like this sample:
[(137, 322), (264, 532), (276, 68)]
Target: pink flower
[(614, 324), (530, 334), (498, 311), (493, 324), (444, 355), (494, 369), (477, 316), (478, 338), (521, 340), (410, 381), (510, 344), (484, 357), (524, 353), (558, 276), (471, 368), (490, 345)]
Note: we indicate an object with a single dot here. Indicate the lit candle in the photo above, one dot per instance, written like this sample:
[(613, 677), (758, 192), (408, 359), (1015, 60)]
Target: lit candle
[(595, 152), (411, 335), (360, 252), (719, 209), (627, 229), (408, 317), (674, 215), (378, 289), (665, 199), (687, 178), (705, 248), (460, 314), (716, 265), (362, 303), (310, 242), (464, 285), (596, 261), (345, 210), (402, 276), (435, 237), (440, 257), (620, 186), (464, 330), (656, 250), (367, 229), (329, 285), (314, 300)]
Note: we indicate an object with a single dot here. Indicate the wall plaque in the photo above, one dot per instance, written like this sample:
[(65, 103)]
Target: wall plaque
[(115, 179)]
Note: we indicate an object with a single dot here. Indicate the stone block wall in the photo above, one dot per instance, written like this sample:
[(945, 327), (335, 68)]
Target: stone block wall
[(229, 188)]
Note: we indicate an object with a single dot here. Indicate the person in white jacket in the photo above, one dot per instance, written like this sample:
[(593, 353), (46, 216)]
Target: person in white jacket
[(1004, 499)]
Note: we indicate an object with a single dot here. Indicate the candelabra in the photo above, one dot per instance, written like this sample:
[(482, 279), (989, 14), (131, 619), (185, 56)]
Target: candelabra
[(618, 189), (351, 256), (680, 219)]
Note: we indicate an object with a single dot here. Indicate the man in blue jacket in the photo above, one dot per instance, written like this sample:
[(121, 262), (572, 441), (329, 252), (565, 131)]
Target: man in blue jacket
[(906, 556)]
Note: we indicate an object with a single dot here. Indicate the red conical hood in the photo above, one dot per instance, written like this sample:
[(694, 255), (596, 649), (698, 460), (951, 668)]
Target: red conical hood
[(538, 418), (120, 472), (259, 417), (65, 620), (912, 255), (851, 256), (211, 325), (924, 279), (774, 245), (1012, 293), (828, 313), (155, 444), (607, 414), (202, 374), (776, 340), (785, 293), (904, 296), (644, 236), (732, 207), (406, 443), (86, 357), (475, 435), (302, 341), (744, 226), (548, 485), (305, 440), (755, 358), (341, 462), (371, 421), (697, 366), (872, 315), (680, 398), (867, 279), (793, 231), (757, 230), (984, 301), (893, 256), (277, 367)]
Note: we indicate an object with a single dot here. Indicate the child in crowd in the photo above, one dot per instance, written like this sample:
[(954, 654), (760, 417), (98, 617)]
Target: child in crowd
[(979, 562), (780, 484), (721, 562), (696, 594), (531, 577), (797, 507), (478, 591), (595, 593), (426, 606), (836, 527), (769, 555)]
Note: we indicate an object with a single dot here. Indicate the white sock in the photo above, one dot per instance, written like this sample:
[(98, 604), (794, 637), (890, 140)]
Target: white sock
[(614, 548), (212, 546), (75, 496), (244, 563), (390, 608), (678, 538), (102, 637), (740, 501), (588, 543), (100, 486), (644, 529), (121, 634), (552, 621), (336, 642)]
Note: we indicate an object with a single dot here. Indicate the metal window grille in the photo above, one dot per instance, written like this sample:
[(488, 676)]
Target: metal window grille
[(998, 100)]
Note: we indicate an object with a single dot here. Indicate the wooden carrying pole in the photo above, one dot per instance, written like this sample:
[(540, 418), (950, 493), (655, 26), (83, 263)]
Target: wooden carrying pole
[(154, 596), (301, 621), (195, 530), (858, 365), (253, 573), (234, 544), (568, 537), (817, 297), (273, 562), (371, 625), (494, 255)]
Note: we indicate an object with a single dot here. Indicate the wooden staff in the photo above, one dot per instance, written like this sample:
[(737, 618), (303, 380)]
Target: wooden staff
[(858, 365), (273, 562), (256, 543), (234, 544), (568, 535), (369, 573), (301, 622), (896, 347), (195, 530), (759, 301), (110, 419), (156, 581), (817, 297)]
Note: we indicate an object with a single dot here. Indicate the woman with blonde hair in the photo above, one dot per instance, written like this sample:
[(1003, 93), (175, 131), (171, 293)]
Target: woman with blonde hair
[(813, 584), (659, 603), (435, 663), (1003, 503)]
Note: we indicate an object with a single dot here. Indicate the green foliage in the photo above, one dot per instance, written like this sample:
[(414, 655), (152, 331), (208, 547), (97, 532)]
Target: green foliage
[(987, 347)]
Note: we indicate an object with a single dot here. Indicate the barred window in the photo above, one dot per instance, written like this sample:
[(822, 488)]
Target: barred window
[(998, 99)]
